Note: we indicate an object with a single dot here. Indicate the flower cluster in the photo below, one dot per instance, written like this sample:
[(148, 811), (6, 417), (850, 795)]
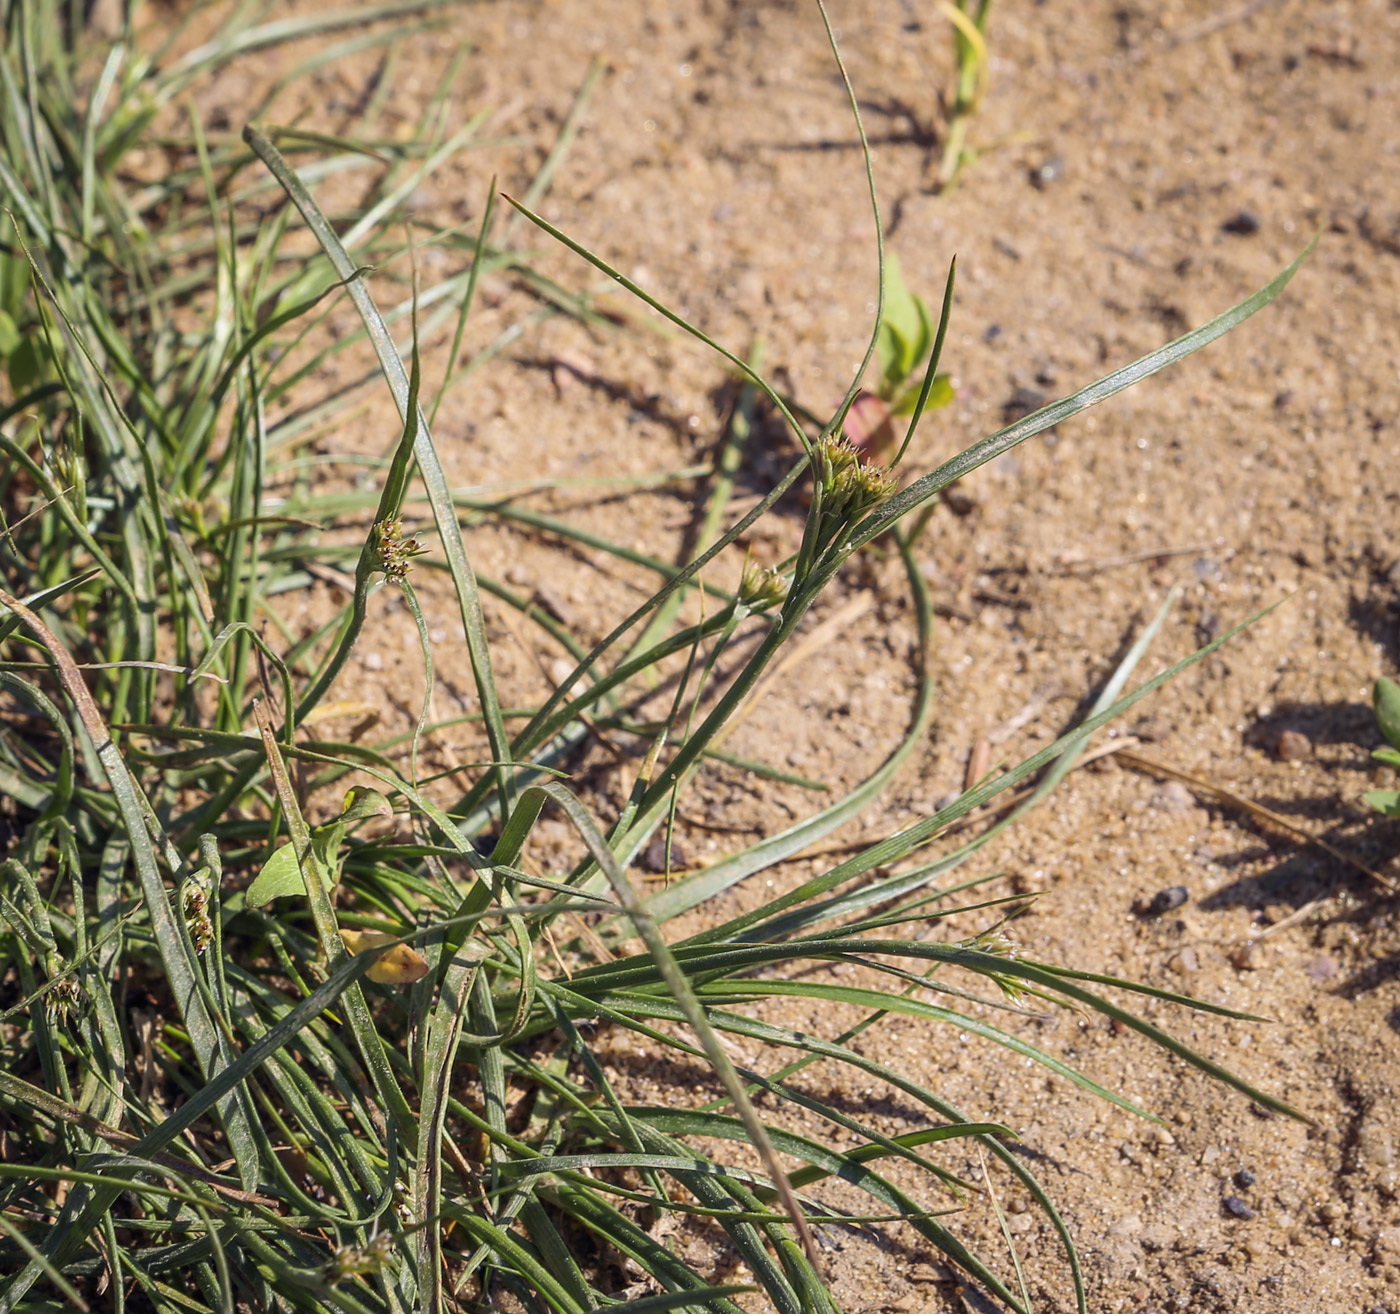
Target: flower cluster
[(847, 488), (996, 941), (760, 587), (401, 1204), (850, 487), (357, 1261), (63, 997), (197, 923), (993, 941), (396, 551)]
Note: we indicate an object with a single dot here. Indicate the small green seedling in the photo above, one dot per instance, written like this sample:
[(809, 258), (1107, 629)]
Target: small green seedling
[(969, 20), (902, 344), (281, 874), (1386, 701)]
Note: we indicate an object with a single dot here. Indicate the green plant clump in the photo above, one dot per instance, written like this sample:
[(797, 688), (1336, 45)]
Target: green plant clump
[(379, 1083)]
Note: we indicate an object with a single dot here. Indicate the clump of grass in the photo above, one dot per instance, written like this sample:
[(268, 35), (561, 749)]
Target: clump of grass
[(346, 1130)]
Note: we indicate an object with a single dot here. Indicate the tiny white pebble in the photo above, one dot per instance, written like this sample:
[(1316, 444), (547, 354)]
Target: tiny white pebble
[(372, 661)]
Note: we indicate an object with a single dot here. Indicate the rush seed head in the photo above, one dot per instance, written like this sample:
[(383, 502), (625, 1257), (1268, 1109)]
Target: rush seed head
[(850, 487), (396, 551), (356, 1261), (761, 587), (65, 997)]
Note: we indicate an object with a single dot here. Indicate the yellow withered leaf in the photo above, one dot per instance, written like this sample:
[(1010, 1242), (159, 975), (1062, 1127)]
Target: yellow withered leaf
[(399, 965)]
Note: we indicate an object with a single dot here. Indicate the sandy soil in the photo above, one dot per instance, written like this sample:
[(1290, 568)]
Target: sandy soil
[(1143, 167)]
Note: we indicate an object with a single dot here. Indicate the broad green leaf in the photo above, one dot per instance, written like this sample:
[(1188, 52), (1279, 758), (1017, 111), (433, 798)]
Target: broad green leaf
[(281, 873), (905, 333), (361, 804), (280, 876), (1385, 800), (1390, 756), (939, 395)]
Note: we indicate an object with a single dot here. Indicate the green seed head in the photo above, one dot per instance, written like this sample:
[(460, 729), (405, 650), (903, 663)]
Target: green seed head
[(354, 1261), (850, 488), (760, 587), (996, 941)]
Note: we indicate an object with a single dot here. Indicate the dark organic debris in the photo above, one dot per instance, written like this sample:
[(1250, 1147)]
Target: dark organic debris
[(1164, 901)]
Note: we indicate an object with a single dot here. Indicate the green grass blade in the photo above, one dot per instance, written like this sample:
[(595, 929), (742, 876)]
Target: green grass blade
[(921, 490), (429, 466)]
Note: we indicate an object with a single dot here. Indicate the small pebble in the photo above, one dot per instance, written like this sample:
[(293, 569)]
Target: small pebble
[(1164, 901), (566, 369), (653, 858), (1234, 1205), (1321, 969), (1292, 746), (1049, 171), (1185, 962), (1244, 1179), (1375, 1144), (1173, 797), (550, 601), (372, 661), (1244, 224), (1022, 402), (1245, 957)]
